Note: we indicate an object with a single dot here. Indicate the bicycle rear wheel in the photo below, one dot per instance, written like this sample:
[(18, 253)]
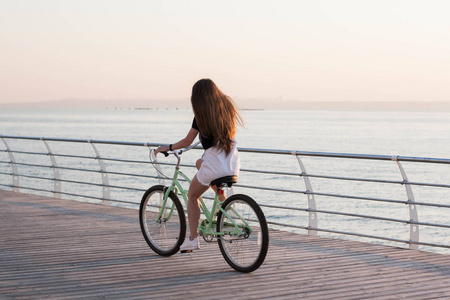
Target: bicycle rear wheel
[(244, 252), (165, 233)]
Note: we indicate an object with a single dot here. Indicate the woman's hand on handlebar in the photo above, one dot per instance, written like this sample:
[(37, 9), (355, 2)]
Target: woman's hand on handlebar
[(162, 149)]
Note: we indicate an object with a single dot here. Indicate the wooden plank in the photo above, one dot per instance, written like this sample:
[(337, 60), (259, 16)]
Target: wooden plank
[(54, 248)]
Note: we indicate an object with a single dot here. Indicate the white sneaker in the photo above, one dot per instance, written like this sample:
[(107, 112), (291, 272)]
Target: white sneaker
[(190, 244)]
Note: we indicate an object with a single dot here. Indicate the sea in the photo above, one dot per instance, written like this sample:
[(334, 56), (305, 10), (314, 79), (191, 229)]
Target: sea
[(378, 132)]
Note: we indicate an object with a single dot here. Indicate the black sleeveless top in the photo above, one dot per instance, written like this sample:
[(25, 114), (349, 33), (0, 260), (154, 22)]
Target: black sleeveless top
[(207, 142)]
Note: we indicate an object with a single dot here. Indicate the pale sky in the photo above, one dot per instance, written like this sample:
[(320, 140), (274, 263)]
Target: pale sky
[(297, 50)]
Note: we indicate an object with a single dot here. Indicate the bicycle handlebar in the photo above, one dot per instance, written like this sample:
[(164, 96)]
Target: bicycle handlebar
[(178, 152)]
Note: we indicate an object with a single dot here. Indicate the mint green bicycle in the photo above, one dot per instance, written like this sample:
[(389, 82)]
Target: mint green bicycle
[(238, 224)]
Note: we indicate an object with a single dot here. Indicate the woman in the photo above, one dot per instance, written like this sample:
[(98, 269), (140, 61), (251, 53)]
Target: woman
[(215, 118)]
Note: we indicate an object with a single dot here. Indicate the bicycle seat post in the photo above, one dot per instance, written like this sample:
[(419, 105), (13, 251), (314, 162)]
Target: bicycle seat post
[(222, 182), (220, 189)]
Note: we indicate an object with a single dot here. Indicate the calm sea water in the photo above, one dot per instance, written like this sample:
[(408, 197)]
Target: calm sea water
[(370, 132), (420, 134)]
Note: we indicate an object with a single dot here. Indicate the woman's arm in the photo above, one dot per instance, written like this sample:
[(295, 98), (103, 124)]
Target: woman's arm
[(187, 141)]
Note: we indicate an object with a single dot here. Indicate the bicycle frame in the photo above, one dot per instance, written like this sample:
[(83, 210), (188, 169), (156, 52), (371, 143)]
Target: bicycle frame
[(207, 226)]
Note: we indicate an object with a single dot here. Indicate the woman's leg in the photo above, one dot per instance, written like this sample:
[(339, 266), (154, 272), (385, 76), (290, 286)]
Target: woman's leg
[(198, 163), (196, 189)]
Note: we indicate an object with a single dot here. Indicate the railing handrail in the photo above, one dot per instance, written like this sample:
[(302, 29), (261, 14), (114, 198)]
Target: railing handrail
[(252, 150)]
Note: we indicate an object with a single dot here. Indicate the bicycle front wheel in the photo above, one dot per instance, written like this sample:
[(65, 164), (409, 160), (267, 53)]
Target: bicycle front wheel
[(246, 241), (163, 222)]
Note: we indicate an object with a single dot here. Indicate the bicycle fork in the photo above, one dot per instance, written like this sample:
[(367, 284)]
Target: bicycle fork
[(163, 203)]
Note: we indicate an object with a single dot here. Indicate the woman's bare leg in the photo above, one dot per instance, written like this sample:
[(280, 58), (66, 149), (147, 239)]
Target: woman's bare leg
[(196, 189)]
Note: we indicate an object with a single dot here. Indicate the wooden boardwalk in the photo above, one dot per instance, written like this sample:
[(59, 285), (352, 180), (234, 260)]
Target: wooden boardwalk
[(59, 249)]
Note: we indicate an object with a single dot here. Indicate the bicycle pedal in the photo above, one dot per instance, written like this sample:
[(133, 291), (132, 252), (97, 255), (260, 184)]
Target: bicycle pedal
[(186, 251)]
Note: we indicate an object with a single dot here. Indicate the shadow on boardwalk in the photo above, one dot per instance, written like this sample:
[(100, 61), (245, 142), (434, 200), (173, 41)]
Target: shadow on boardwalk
[(53, 248)]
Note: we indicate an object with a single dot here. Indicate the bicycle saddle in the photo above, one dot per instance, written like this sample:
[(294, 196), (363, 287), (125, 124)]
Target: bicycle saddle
[(228, 180)]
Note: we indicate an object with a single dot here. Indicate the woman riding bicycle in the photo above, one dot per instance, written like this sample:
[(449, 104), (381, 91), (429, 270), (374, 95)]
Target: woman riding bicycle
[(215, 118)]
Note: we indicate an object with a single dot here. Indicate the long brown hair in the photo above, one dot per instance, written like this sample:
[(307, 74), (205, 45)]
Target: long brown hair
[(215, 113)]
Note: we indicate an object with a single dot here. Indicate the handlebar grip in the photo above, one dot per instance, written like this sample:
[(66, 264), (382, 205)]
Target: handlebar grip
[(165, 153)]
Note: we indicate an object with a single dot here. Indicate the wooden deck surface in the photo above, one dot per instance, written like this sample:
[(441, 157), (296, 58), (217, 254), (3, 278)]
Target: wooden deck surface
[(59, 249)]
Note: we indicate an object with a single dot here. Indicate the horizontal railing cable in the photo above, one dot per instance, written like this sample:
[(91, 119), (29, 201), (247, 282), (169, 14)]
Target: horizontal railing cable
[(87, 183), (78, 195), (346, 178), (354, 215), (380, 238), (357, 234), (347, 155)]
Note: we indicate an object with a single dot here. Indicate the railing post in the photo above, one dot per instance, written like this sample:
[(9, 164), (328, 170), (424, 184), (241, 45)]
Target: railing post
[(413, 227), (312, 223), (15, 170), (56, 177), (105, 180)]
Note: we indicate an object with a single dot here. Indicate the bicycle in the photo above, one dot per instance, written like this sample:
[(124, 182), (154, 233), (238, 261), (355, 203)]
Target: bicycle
[(238, 224)]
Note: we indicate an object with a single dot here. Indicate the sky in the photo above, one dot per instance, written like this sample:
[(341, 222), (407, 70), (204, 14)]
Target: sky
[(314, 50)]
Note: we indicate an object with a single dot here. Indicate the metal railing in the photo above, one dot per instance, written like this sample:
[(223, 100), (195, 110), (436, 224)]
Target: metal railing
[(132, 175)]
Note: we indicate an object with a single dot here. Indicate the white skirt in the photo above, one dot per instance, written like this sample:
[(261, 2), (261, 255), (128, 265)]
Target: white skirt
[(217, 164)]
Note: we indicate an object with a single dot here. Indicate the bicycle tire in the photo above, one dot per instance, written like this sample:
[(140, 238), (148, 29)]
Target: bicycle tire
[(163, 237), (244, 253)]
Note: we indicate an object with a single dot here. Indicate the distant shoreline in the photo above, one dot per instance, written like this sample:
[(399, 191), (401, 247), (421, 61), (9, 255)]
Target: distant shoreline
[(395, 106), (243, 105)]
